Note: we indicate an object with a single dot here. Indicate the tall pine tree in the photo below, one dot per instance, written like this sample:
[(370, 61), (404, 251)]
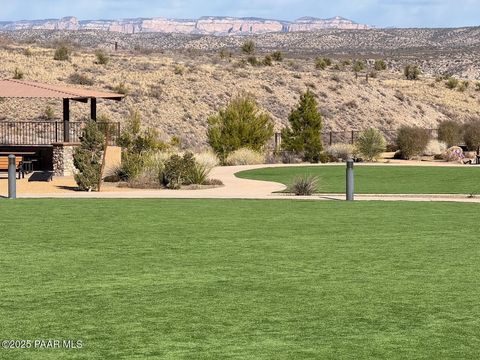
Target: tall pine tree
[(304, 135)]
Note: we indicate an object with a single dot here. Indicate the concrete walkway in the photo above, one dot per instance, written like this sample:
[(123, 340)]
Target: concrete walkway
[(234, 188)]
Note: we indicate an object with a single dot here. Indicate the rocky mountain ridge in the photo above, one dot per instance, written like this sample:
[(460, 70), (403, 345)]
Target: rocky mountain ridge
[(209, 25)]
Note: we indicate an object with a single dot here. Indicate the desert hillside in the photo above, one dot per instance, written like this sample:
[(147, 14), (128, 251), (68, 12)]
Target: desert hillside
[(177, 90)]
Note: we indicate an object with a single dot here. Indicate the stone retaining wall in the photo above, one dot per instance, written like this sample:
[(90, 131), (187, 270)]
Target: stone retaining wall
[(63, 159)]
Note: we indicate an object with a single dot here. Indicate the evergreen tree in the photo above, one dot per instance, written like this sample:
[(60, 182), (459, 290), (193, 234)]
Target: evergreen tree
[(240, 125), (304, 135), (88, 158)]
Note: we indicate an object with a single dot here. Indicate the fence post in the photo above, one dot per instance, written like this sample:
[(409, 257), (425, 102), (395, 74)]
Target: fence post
[(353, 137), (350, 181), (12, 177), (331, 137)]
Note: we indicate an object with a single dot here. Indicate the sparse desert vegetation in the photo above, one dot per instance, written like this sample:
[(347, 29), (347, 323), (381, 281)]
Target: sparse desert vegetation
[(178, 88)]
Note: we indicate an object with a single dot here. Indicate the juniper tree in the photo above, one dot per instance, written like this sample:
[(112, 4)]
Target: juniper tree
[(88, 158), (304, 134), (241, 124)]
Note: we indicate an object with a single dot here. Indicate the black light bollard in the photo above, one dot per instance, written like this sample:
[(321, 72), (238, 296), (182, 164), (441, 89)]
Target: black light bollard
[(12, 177), (350, 181)]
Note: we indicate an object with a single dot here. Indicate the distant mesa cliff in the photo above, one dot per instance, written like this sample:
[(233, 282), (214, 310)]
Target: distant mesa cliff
[(202, 26)]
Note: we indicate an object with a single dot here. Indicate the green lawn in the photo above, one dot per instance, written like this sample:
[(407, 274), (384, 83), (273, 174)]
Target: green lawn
[(231, 279), (380, 179)]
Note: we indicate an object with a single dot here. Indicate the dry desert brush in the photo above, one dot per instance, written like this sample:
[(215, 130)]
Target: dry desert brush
[(450, 132), (412, 141), (472, 135)]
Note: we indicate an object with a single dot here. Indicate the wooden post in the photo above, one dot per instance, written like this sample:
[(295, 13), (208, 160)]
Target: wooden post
[(116, 45), (66, 120), (331, 138), (102, 168), (93, 109), (353, 137)]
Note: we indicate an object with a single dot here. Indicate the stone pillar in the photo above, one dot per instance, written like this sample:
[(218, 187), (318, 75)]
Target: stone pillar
[(63, 159)]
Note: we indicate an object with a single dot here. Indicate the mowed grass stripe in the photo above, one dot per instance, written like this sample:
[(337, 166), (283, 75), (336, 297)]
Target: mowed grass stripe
[(208, 279), (380, 179)]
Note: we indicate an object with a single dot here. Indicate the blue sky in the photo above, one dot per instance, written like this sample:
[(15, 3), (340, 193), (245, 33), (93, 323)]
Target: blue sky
[(398, 13)]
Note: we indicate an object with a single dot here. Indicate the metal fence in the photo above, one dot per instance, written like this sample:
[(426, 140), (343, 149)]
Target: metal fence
[(49, 132), (350, 136)]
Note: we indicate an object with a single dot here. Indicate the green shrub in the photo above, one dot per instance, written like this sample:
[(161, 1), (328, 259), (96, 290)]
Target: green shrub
[(412, 72), (18, 74), (102, 57), (472, 135), (320, 64), (178, 70), (248, 47), (303, 136), (452, 83), (136, 140), (88, 157), (137, 144), (80, 79), (277, 56), (412, 141), (450, 132), (62, 53), (198, 175), (304, 185), (241, 124), (267, 61), (180, 171), (358, 66), (380, 65), (463, 86), (245, 156), (371, 144)]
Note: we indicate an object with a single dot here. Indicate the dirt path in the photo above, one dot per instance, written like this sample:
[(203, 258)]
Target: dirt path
[(234, 188)]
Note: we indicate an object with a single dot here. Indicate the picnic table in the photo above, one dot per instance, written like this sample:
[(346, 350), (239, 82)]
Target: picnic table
[(26, 158)]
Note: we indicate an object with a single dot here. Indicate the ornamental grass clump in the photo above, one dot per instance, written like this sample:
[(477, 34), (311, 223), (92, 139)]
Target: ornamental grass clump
[(245, 156), (371, 144), (341, 151), (304, 185)]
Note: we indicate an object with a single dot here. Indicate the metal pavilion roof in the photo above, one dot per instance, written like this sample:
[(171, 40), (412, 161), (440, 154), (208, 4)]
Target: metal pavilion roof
[(30, 90)]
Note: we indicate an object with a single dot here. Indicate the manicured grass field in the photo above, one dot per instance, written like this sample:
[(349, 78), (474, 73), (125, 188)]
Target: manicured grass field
[(226, 279), (380, 179)]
